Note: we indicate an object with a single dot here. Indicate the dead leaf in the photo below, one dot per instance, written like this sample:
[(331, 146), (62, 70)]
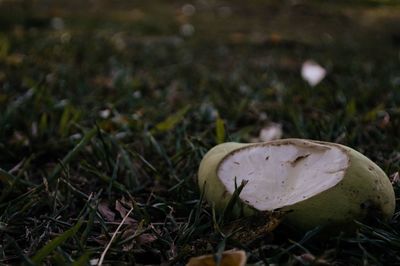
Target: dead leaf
[(395, 178), (252, 228), (15, 59), (101, 239), (229, 258), (310, 259), (123, 211), (105, 211), (385, 120), (128, 247), (103, 81), (306, 258), (145, 239), (120, 208), (128, 232)]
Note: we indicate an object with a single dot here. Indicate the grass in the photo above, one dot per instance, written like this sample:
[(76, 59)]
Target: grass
[(113, 112)]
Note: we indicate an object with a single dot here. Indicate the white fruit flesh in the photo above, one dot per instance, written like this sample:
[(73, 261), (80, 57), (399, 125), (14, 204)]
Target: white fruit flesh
[(282, 175)]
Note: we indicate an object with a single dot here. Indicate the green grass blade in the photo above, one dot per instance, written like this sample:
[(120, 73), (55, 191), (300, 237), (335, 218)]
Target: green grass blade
[(11, 179), (82, 260), (85, 140), (220, 130), (53, 244), (220, 250), (6, 177), (233, 202), (171, 121), (65, 119), (4, 46)]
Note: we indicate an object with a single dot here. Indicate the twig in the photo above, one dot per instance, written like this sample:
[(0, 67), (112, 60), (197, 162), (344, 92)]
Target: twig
[(112, 238)]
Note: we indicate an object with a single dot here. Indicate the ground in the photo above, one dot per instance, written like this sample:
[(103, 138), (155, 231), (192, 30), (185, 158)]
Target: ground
[(108, 107)]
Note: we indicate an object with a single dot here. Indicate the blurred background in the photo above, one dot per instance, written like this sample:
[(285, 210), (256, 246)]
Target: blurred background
[(292, 62), (163, 82)]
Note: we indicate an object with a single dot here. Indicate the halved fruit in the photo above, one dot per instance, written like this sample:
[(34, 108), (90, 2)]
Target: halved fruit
[(318, 183)]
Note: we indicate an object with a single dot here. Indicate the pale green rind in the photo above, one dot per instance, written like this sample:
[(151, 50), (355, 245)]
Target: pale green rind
[(365, 190), (215, 191)]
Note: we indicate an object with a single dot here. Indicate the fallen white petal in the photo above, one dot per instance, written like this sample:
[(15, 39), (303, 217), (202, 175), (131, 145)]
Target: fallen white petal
[(312, 72), (271, 132)]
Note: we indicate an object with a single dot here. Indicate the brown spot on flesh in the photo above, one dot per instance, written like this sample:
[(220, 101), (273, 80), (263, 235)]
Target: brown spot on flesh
[(298, 159)]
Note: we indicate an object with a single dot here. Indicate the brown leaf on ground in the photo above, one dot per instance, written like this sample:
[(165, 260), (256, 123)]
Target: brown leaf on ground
[(395, 178), (128, 247), (229, 258), (310, 259), (249, 229), (123, 211), (105, 211), (145, 239)]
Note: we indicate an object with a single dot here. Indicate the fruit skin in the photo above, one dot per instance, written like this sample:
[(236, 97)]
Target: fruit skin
[(364, 192), (214, 190)]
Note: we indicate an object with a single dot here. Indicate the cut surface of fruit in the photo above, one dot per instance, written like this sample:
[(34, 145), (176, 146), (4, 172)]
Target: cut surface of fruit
[(283, 174)]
